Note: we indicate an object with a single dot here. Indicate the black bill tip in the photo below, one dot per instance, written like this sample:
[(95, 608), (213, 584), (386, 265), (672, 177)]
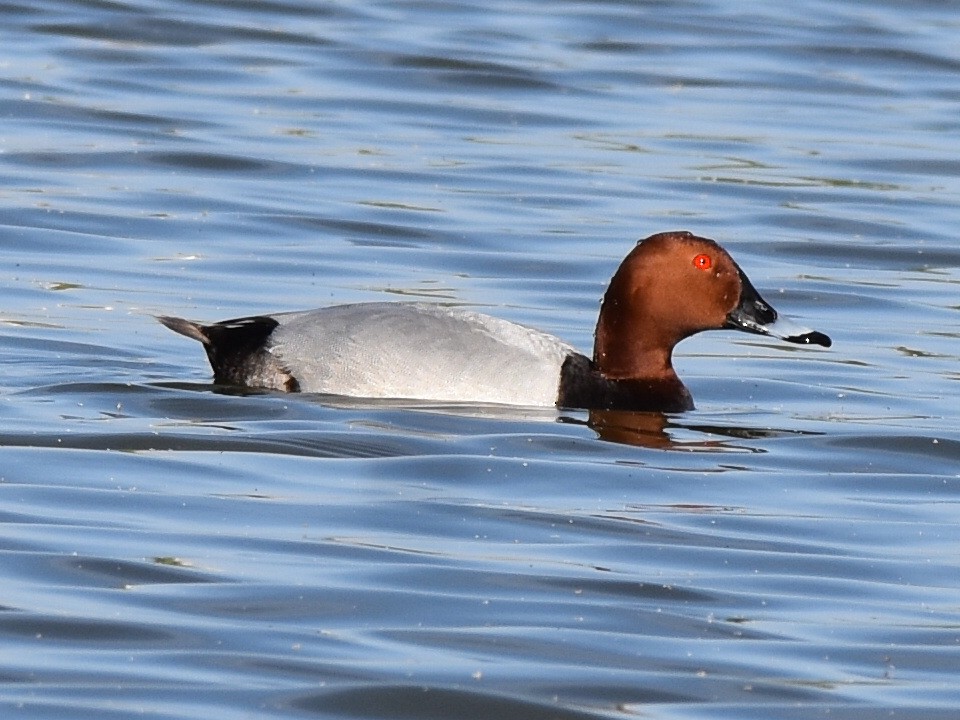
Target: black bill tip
[(813, 337)]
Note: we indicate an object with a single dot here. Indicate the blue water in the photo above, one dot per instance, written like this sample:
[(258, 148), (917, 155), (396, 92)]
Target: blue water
[(790, 549)]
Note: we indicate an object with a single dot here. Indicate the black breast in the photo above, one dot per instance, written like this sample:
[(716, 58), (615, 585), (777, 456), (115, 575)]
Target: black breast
[(582, 386)]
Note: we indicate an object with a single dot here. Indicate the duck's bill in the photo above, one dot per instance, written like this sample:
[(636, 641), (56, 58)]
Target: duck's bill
[(785, 330), (754, 315)]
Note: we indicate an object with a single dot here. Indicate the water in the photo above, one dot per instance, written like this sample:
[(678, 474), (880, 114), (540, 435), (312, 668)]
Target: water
[(789, 549)]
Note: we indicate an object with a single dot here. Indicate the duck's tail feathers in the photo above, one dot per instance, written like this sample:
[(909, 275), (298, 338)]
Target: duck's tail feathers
[(188, 328)]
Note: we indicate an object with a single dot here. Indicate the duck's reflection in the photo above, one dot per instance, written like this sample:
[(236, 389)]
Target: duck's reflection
[(644, 429), (658, 431), (653, 430)]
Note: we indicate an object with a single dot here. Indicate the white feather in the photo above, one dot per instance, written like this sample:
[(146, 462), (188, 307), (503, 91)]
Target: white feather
[(419, 350)]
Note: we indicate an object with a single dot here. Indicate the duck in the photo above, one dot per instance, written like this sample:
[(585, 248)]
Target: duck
[(670, 286)]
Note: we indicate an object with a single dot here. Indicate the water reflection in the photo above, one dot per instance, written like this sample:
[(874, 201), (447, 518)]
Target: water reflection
[(652, 430), (643, 429)]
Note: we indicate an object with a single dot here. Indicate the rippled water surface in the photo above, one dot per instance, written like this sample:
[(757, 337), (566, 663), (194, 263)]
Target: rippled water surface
[(790, 549)]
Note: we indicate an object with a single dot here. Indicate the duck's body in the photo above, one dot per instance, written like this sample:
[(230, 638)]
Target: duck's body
[(661, 294), (391, 350)]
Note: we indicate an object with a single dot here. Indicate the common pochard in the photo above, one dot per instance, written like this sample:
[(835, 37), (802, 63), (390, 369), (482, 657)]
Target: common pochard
[(670, 286)]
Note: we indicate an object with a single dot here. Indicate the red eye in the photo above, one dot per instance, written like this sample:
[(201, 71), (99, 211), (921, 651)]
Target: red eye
[(702, 262)]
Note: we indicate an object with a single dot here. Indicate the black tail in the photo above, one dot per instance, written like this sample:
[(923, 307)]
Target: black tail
[(237, 351)]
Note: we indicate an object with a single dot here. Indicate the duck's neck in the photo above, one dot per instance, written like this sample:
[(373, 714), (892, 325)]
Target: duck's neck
[(632, 352)]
